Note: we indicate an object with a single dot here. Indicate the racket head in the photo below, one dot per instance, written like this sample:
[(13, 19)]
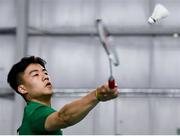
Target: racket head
[(107, 40)]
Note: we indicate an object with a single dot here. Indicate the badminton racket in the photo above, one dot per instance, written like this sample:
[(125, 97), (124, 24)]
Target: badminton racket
[(107, 42)]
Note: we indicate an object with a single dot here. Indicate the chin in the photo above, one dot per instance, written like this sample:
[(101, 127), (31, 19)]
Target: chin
[(48, 90)]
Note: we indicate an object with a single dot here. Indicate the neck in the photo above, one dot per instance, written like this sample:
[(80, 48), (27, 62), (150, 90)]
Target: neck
[(45, 102)]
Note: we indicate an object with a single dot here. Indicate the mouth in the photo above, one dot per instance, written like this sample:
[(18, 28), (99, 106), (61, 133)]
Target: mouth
[(48, 84)]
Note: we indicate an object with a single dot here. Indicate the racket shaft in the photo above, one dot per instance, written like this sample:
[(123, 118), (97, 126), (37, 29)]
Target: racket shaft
[(111, 82)]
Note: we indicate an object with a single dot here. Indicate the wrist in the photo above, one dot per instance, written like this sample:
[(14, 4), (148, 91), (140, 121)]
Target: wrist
[(97, 95)]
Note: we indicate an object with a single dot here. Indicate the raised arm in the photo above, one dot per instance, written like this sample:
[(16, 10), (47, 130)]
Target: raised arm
[(75, 111)]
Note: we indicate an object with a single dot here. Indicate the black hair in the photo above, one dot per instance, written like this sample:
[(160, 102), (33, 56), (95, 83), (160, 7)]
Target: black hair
[(15, 74)]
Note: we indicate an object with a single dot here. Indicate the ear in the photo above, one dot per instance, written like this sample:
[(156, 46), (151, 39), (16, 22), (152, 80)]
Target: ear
[(22, 89)]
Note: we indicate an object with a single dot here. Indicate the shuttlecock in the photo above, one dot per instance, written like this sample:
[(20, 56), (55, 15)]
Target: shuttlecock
[(159, 13)]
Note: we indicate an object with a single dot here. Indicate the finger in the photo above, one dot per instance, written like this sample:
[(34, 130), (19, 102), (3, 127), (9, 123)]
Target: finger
[(116, 85), (115, 89), (103, 90), (116, 93)]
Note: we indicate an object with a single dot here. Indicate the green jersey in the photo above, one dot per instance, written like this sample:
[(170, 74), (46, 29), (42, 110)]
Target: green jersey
[(33, 123)]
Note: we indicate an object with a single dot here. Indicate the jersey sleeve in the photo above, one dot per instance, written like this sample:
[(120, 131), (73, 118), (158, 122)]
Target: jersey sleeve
[(38, 118)]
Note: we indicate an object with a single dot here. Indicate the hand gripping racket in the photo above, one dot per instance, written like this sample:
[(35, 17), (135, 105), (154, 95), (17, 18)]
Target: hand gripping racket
[(106, 40)]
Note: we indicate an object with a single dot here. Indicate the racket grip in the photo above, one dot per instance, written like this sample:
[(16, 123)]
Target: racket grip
[(111, 82)]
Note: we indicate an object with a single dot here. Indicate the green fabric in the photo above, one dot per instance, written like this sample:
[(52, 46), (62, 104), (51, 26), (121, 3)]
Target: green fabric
[(34, 118)]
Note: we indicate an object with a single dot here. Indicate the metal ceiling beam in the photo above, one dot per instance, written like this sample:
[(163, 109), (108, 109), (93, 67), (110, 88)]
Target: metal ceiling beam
[(114, 30), (10, 30)]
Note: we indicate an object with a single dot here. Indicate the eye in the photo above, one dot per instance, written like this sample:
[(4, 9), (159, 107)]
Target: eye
[(36, 75), (46, 73)]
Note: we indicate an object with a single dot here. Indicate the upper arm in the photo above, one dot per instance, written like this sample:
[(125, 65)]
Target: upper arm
[(45, 119), (54, 122)]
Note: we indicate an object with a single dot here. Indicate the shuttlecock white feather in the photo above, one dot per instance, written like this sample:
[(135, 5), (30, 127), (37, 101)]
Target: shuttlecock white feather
[(159, 13)]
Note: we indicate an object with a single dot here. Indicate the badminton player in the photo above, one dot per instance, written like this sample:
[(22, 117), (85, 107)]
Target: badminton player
[(30, 79)]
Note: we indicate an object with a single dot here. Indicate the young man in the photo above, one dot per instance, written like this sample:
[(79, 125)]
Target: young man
[(30, 79)]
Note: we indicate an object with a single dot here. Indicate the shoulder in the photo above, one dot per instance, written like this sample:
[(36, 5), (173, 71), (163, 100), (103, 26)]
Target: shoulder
[(37, 114), (35, 107)]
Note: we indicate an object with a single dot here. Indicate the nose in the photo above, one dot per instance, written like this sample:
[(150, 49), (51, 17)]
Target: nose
[(45, 77)]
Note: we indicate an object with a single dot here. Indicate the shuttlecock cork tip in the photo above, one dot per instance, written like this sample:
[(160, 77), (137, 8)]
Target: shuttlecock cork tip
[(151, 20)]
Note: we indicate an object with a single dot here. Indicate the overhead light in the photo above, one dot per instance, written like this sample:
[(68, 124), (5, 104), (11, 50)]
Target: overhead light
[(175, 35)]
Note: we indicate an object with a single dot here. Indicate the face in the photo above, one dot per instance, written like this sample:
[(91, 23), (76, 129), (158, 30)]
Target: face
[(36, 82)]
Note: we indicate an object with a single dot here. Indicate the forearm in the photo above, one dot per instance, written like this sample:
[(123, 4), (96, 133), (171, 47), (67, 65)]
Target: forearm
[(75, 111)]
